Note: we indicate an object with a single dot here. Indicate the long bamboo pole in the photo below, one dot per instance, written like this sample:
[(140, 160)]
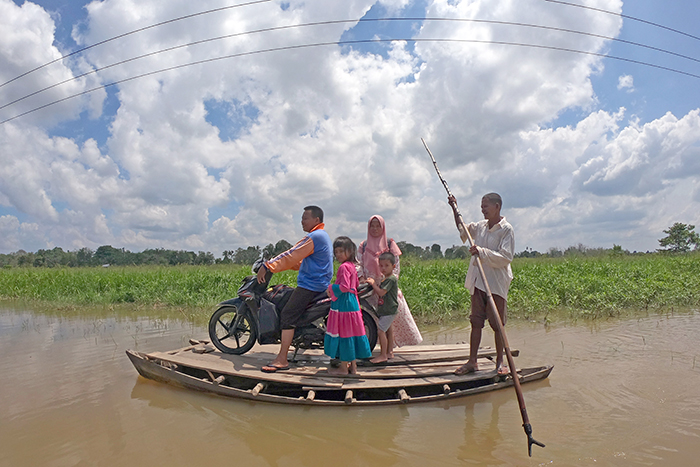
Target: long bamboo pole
[(465, 235)]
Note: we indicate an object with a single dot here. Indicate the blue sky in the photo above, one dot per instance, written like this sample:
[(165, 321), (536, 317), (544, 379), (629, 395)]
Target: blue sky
[(584, 149)]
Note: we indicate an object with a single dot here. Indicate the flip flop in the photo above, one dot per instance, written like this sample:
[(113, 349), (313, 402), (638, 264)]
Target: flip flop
[(273, 368), (503, 370), (464, 370), (384, 363)]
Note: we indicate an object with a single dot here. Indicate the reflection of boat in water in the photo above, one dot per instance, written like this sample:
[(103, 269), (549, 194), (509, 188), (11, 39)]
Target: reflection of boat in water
[(415, 374)]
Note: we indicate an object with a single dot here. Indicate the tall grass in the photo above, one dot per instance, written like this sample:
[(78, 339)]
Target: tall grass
[(575, 287), (579, 287), (177, 286)]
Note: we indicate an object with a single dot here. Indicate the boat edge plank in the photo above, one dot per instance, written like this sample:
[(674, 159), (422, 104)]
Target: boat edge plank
[(151, 369)]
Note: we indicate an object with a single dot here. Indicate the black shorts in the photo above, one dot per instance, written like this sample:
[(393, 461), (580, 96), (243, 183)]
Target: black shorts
[(480, 304), (295, 307)]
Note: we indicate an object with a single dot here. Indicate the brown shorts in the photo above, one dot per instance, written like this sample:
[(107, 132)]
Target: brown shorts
[(480, 304), (295, 307)]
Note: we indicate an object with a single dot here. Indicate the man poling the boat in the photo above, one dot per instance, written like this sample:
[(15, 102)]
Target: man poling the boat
[(491, 206)]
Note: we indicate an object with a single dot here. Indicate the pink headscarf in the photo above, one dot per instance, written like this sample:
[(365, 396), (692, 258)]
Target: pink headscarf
[(375, 246)]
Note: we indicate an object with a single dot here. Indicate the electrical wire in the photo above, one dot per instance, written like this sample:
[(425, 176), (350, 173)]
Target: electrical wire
[(347, 42), (323, 23), (266, 1), (577, 5), (133, 32)]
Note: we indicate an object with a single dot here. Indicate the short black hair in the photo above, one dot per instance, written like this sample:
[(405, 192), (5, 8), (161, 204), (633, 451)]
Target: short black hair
[(494, 198), (346, 244), (388, 256), (315, 211)]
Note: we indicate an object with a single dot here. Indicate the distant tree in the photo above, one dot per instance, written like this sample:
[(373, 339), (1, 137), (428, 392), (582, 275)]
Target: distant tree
[(680, 238), (204, 259), (579, 250), (84, 256), (155, 256), (247, 256), (24, 258), (555, 252), (435, 251), (106, 254), (52, 258), (409, 249), (457, 252), (528, 253), (618, 251), (181, 257), (281, 247), (227, 256)]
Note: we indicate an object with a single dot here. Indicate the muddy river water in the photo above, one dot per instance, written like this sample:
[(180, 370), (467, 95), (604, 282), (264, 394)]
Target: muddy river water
[(623, 392)]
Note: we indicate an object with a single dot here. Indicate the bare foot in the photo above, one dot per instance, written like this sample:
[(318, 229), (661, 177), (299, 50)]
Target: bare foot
[(390, 355), (466, 368), (352, 368), (341, 370), (378, 359)]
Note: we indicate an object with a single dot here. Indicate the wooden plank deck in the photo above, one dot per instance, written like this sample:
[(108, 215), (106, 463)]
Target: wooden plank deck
[(421, 364)]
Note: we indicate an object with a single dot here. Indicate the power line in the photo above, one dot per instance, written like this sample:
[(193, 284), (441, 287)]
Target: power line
[(348, 42), (173, 20), (133, 32), (323, 23), (624, 16)]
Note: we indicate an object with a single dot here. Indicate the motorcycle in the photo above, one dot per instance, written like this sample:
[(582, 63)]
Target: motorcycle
[(254, 316)]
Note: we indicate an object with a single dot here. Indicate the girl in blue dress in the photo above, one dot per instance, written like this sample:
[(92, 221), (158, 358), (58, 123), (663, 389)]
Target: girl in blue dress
[(345, 331)]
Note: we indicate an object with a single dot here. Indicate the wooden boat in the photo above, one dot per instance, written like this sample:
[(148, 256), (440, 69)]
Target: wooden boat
[(416, 374)]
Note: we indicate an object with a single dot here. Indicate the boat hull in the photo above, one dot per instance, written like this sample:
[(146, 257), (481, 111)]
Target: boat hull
[(310, 384)]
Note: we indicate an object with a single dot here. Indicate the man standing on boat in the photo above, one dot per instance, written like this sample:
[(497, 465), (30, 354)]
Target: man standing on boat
[(312, 256), (494, 243)]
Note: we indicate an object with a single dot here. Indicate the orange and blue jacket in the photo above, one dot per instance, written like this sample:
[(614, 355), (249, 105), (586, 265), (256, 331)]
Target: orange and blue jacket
[(312, 256)]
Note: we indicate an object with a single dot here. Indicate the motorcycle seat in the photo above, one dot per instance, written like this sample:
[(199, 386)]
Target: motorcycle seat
[(320, 296)]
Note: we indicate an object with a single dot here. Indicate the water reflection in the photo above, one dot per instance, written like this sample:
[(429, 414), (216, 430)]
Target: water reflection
[(623, 392)]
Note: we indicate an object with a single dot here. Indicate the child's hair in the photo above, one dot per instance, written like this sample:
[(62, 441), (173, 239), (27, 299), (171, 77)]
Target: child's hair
[(348, 245), (388, 256)]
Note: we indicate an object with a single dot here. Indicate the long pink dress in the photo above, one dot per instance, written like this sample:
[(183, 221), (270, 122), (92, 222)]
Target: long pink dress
[(406, 331), (345, 331)]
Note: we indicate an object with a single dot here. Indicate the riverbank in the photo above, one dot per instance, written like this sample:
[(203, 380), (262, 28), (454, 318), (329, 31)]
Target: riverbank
[(543, 288)]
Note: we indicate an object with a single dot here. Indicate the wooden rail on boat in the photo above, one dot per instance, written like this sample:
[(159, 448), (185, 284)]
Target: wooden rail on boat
[(416, 374)]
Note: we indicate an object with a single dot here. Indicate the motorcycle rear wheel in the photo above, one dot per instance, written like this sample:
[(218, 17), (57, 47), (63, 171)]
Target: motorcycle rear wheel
[(232, 330), (370, 329)]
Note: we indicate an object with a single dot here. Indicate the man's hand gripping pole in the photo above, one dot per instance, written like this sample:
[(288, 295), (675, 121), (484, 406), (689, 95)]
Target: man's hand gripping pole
[(465, 235)]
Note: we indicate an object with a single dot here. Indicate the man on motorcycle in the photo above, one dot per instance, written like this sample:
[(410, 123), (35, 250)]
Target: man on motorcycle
[(312, 256)]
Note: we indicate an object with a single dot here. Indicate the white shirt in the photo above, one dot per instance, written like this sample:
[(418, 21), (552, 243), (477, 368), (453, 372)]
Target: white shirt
[(496, 248)]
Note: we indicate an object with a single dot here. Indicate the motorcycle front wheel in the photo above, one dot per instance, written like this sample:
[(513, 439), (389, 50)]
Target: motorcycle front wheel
[(232, 330)]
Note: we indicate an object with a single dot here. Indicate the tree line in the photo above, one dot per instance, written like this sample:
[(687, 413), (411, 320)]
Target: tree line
[(680, 238)]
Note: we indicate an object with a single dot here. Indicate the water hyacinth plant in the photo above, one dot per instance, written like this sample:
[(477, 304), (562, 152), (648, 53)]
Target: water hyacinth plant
[(577, 287)]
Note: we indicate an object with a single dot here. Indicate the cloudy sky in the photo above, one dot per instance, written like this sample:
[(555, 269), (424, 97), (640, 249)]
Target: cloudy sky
[(131, 148)]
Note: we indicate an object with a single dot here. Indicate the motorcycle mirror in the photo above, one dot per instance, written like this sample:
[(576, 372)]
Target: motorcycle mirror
[(264, 256)]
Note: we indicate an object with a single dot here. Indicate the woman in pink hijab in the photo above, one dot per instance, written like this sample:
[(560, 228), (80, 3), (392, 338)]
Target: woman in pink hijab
[(404, 329)]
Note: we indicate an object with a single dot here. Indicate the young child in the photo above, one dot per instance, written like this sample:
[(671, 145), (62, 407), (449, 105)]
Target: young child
[(345, 331), (388, 293)]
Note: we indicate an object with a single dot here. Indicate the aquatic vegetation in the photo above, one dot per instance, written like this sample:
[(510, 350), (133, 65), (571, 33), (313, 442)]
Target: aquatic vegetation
[(576, 287)]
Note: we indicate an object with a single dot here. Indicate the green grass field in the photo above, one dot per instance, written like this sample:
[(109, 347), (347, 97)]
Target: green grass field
[(543, 288)]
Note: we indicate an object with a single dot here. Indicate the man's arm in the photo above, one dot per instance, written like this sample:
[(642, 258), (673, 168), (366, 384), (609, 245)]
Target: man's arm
[(503, 256), (290, 259)]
